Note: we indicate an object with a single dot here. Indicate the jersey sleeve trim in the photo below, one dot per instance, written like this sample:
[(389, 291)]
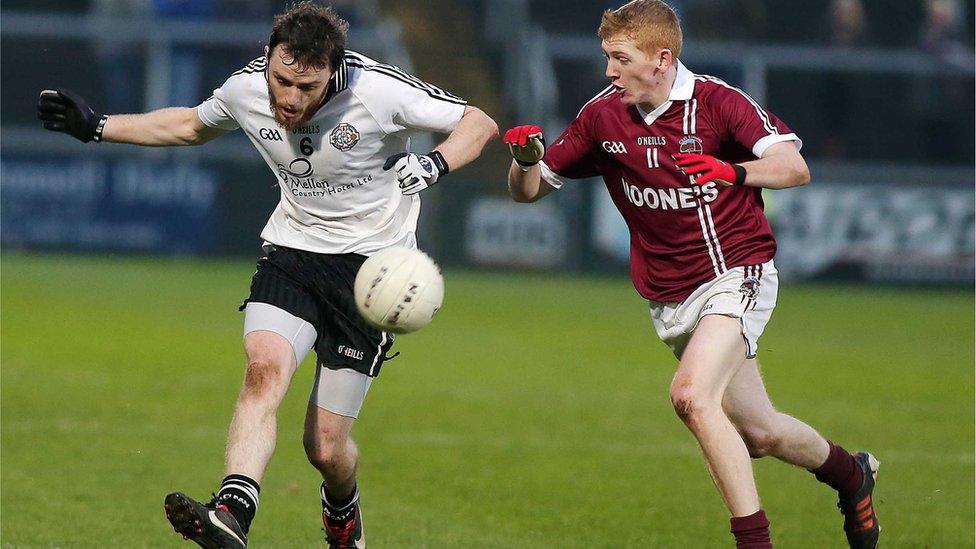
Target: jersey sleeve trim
[(551, 177), (763, 115), (214, 115), (355, 60), (763, 144)]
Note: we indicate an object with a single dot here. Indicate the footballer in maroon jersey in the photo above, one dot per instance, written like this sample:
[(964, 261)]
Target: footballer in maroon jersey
[(685, 157)]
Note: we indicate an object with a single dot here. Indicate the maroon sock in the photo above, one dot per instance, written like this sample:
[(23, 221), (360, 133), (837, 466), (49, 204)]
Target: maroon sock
[(751, 532), (840, 471)]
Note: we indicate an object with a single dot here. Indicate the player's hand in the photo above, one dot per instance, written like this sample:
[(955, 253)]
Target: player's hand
[(527, 144), (415, 172), (65, 111), (707, 168)]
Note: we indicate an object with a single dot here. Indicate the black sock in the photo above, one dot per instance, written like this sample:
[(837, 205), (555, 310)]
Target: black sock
[(338, 504), (240, 495)]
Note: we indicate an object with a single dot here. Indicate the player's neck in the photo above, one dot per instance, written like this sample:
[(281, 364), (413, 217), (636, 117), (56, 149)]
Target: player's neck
[(661, 90)]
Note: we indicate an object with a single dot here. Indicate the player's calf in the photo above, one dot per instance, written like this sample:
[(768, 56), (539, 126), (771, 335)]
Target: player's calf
[(761, 442)]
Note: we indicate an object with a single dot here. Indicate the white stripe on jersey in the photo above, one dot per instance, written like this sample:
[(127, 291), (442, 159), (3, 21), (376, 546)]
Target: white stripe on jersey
[(684, 120), (711, 227), (690, 125), (605, 92), (759, 110), (708, 242)]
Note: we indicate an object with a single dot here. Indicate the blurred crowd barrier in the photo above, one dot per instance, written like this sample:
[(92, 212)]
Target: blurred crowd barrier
[(888, 131)]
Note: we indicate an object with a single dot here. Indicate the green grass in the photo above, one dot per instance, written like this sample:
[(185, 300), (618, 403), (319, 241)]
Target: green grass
[(532, 413)]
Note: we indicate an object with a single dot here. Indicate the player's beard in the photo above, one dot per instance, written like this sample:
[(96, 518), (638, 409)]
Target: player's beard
[(293, 123), (287, 124)]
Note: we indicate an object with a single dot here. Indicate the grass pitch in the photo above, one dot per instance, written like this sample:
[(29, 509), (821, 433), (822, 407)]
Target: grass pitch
[(533, 412)]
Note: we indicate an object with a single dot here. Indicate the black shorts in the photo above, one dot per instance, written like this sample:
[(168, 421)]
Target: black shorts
[(318, 288)]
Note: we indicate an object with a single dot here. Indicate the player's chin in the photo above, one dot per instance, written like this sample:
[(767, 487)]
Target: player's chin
[(289, 124)]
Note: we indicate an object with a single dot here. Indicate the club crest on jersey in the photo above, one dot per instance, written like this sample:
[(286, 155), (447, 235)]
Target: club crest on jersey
[(344, 137), (749, 287), (690, 144)]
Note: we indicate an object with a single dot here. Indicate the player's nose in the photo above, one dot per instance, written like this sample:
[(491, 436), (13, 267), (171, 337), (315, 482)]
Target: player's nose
[(292, 97)]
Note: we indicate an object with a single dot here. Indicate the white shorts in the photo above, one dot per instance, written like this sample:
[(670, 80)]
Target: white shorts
[(747, 293), (340, 391)]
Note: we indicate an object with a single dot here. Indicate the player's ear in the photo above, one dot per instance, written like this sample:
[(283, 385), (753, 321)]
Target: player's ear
[(266, 51), (664, 59)]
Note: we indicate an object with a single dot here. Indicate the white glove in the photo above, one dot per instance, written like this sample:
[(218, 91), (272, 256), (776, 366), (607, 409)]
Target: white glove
[(415, 172)]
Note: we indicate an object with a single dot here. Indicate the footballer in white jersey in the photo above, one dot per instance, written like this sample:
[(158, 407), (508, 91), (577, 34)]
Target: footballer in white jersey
[(333, 126), (335, 196)]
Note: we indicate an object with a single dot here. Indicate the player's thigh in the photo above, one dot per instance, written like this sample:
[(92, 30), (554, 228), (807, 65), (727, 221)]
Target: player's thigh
[(746, 402), (339, 391), (713, 356), (274, 334)]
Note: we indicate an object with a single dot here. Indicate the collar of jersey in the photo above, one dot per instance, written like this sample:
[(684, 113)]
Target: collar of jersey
[(681, 90), (338, 82)]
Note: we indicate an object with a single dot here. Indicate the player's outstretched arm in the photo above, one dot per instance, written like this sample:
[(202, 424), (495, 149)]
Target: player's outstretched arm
[(527, 146), (65, 111)]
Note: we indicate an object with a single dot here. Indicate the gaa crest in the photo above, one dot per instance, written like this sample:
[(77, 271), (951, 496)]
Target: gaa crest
[(690, 144), (344, 137), (750, 287)]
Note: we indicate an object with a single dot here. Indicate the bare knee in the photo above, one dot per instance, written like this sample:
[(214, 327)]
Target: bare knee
[(692, 405), (270, 364), (329, 455), (262, 379)]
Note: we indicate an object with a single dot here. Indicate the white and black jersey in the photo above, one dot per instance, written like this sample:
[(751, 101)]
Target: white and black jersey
[(335, 196)]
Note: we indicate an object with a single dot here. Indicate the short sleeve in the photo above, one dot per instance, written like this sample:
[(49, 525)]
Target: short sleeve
[(752, 126), (216, 112), (571, 155), (417, 105)]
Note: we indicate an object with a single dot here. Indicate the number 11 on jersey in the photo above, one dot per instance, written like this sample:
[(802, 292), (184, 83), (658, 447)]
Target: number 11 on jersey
[(652, 158)]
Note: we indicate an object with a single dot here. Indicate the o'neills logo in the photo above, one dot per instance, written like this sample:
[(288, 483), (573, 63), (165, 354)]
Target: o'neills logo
[(670, 199), (306, 130)]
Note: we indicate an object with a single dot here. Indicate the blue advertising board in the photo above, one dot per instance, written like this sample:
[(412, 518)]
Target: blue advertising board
[(77, 203)]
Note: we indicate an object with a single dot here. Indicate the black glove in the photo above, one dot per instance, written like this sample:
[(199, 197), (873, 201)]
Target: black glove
[(65, 111)]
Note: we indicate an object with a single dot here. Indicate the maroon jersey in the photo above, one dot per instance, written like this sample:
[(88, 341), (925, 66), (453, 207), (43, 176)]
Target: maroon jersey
[(681, 234)]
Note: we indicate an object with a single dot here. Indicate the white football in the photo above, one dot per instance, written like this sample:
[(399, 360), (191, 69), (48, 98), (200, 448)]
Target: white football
[(399, 290)]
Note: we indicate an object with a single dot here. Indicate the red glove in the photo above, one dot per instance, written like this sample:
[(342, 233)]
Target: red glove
[(708, 168), (526, 143)]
